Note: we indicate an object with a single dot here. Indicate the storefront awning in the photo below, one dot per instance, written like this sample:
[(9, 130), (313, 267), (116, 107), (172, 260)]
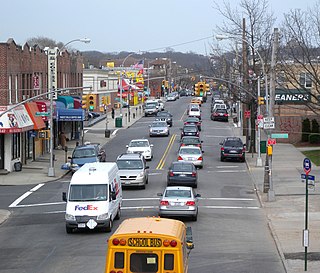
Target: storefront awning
[(70, 114), (77, 103), (67, 100), (32, 110), (16, 120)]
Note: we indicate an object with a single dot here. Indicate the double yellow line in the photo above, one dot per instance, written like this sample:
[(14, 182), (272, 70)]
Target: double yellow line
[(166, 152)]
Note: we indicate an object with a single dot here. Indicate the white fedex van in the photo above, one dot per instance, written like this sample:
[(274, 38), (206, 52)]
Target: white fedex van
[(94, 197)]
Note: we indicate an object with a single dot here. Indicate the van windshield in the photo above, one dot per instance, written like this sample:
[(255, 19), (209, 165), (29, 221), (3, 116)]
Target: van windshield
[(92, 192)]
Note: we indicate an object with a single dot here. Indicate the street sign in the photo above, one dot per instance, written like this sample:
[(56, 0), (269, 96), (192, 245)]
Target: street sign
[(247, 114), (260, 121), (268, 123), (42, 114), (310, 177), (307, 165), (279, 135), (271, 141)]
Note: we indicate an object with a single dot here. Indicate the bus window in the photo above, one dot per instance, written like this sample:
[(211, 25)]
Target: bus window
[(168, 262), (119, 260), (143, 262)]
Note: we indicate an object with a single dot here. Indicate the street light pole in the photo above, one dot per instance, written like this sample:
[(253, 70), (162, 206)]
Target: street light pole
[(222, 37), (52, 65)]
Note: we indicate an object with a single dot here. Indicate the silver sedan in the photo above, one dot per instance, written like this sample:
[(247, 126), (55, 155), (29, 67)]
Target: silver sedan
[(179, 201), (191, 154), (159, 128)]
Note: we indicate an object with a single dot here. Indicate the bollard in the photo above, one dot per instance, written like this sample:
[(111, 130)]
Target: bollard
[(65, 154), (133, 115)]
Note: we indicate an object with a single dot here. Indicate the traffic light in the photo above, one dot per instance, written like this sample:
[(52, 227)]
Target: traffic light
[(92, 102), (201, 89), (163, 84), (84, 101), (260, 100), (196, 88), (104, 100)]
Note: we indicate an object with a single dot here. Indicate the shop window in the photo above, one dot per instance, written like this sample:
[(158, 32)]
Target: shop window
[(305, 80), (15, 146)]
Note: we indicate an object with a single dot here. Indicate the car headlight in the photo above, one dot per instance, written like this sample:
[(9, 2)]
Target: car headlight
[(166, 129), (104, 216), (141, 174), (70, 217), (148, 151)]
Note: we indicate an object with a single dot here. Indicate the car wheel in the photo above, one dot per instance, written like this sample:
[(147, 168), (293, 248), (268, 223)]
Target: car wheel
[(147, 181), (195, 218), (118, 214), (69, 230), (143, 187), (195, 185), (109, 227), (243, 159)]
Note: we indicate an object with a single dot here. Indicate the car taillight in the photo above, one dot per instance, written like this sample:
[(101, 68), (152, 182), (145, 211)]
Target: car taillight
[(190, 203), (194, 174), (200, 158), (198, 145), (180, 158), (197, 133), (215, 114), (222, 149), (164, 203), (226, 115), (171, 173), (183, 144)]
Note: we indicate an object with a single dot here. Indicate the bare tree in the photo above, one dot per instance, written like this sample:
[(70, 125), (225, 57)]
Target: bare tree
[(299, 65)]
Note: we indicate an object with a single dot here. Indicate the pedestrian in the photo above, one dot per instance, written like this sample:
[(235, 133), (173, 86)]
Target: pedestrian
[(77, 143), (112, 113), (63, 140)]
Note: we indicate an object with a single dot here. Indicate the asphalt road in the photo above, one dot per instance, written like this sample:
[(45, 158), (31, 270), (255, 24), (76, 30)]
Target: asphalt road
[(231, 233)]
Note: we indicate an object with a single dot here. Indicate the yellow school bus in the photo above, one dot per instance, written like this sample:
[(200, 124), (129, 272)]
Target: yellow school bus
[(150, 245)]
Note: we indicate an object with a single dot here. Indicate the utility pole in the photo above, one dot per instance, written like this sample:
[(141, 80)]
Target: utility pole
[(245, 77)]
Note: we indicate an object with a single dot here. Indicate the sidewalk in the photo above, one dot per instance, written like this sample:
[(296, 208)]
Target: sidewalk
[(286, 214)]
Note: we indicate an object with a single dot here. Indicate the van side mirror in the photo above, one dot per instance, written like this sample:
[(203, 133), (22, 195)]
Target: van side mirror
[(113, 195), (64, 196), (198, 195), (127, 146), (69, 157)]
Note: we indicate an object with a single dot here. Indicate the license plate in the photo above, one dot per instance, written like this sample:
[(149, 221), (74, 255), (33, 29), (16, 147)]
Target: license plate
[(182, 175), (178, 204), (127, 182), (81, 225), (232, 151), (190, 158)]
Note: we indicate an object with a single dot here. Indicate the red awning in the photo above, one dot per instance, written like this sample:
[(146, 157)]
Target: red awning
[(32, 109), (77, 103), (16, 120)]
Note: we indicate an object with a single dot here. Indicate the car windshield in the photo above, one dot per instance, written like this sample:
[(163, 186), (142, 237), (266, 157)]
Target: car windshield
[(129, 164), (189, 151), (191, 140), (190, 129), (150, 106), (178, 193), (81, 153), (163, 114), (233, 143), (138, 144), (92, 192), (158, 124), (194, 120), (194, 109), (224, 111), (182, 167)]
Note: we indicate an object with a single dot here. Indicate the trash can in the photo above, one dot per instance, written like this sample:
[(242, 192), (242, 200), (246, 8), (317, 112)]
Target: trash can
[(17, 166), (107, 133), (263, 146), (118, 122)]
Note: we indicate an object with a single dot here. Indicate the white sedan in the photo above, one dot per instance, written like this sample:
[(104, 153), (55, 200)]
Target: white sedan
[(141, 146)]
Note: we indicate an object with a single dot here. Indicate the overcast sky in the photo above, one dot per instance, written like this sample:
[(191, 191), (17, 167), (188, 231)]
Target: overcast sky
[(114, 26)]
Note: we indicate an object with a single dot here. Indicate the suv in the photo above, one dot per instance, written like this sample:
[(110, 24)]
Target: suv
[(164, 116), (87, 153), (233, 148), (133, 170), (151, 108)]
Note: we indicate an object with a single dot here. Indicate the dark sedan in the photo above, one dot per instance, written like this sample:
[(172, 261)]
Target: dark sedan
[(190, 130), (191, 141), (182, 174), (194, 121), (220, 115)]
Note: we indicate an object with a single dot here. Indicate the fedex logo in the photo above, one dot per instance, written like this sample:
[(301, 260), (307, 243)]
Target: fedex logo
[(87, 207)]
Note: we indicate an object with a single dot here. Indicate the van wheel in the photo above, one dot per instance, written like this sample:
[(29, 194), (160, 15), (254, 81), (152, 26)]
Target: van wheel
[(69, 230), (109, 227), (118, 214)]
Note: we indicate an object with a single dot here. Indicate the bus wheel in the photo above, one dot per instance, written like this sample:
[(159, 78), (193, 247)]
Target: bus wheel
[(109, 227), (69, 230), (118, 214)]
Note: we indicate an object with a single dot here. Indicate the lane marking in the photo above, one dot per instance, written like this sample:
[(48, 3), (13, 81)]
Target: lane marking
[(114, 132), (226, 199), (227, 207), (162, 160), (181, 119), (154, 173), (228, 171), (232, 166), (25, 195)]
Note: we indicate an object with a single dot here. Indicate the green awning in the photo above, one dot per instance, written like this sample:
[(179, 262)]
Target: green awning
[(67, 100)]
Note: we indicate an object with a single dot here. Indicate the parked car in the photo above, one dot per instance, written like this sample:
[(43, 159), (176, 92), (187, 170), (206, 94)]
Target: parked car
[(182, 174), (159, 128), (141, 146), (191, 154), (133, 170), (191, 141), (164, 116), (232, 148), (179, 201), (193, 121), (220, 115), (190, 130), (87, 153)]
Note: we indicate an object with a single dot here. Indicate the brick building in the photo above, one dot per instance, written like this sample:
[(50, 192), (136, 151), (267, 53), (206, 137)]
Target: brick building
[(24, 75)]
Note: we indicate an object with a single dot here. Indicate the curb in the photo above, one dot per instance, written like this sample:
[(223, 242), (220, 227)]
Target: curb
[(4, 215)]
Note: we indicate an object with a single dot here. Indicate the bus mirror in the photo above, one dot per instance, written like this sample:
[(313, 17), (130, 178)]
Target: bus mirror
[(189, 238), (64, 196)]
